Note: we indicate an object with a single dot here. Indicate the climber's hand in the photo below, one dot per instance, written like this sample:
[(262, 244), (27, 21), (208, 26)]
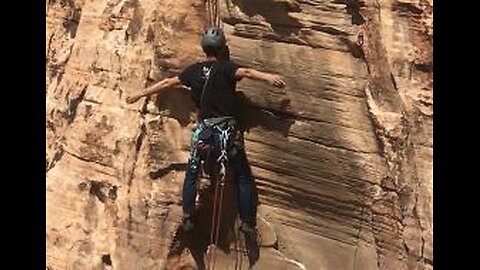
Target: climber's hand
[(132, 99), (184, 87), (276, 80)]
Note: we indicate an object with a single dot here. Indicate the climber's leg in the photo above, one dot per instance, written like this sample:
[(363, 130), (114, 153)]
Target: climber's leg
[(245, 186)]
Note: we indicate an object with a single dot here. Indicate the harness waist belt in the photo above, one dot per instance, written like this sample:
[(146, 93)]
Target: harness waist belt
[(217, 120)]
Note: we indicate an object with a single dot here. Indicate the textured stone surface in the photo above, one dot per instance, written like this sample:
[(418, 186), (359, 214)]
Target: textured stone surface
[(342, 156)]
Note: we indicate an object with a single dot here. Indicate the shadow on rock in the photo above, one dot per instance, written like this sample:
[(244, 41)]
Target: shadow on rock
[(251, 115), (178, 103), (164, 171)]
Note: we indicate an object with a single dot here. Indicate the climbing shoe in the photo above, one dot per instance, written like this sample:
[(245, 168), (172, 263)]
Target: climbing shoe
[(187, 224)]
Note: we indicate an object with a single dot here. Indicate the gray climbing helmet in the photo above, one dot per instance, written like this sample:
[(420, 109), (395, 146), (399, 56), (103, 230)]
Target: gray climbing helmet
[(213, 37)]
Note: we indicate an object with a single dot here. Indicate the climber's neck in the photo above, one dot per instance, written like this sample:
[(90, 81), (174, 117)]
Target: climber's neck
[(212, 58)]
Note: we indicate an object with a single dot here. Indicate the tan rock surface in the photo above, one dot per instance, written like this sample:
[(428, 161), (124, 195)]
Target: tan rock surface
[(342, 156)]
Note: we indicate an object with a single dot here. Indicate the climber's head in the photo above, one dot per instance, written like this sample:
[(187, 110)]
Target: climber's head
[(213, 42)]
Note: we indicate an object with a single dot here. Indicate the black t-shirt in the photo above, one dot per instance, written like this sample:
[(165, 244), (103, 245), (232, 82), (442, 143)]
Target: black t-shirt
[(219, 95)]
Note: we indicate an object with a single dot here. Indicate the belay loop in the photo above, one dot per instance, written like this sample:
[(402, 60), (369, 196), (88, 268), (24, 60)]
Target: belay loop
[(224, 138)]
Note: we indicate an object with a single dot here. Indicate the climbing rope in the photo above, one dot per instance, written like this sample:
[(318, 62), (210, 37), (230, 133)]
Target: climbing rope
[(213, 13), (218, 197)]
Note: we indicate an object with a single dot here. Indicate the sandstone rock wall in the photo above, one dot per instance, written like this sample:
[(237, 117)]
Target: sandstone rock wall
[(342, 156)]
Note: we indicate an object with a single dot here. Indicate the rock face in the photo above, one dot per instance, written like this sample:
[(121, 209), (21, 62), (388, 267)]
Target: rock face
[(342, 156)]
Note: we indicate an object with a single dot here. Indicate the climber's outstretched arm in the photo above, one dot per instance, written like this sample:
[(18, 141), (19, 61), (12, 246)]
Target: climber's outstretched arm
[(272, 79), (154, 89)]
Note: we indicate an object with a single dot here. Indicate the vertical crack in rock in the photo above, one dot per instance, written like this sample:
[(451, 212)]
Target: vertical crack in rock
[(380, 82), (61, 41), (392, 122), (131, 174), (56, 156), (136, 22), (73, 104), (137, 145), (56, 149), (67, 116), (71, 22), (49, 47)]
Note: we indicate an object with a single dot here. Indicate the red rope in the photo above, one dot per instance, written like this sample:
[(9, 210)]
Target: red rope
[(209, 12), (212, 229), (239, 251), (219, 215), (217, 14), (217, 212), (213, 13)]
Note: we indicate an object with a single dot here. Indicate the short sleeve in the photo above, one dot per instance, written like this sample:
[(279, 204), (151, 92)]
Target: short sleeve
[(230, 70), (187, 75)]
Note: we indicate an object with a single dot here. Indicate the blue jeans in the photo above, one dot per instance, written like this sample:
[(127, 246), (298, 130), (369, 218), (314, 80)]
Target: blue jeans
[(243, 178)]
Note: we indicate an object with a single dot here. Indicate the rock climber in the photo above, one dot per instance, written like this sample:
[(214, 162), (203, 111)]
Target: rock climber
[(212, 84)]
